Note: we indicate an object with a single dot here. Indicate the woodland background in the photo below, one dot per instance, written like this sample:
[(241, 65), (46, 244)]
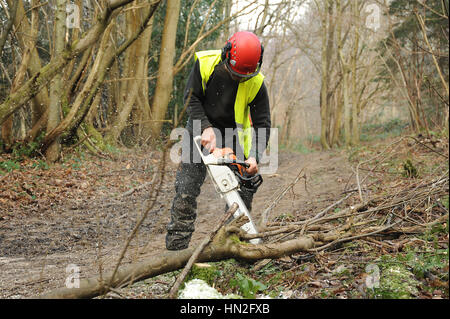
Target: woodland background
[(115, 71)]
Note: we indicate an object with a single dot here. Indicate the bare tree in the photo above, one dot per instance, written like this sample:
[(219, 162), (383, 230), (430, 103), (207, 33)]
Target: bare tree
[(8, 25)]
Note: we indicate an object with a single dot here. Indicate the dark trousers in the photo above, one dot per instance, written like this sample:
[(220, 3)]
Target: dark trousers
[(189, 179)]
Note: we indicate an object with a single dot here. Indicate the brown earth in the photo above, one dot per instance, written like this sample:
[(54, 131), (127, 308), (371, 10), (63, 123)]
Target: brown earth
[(70, 213)]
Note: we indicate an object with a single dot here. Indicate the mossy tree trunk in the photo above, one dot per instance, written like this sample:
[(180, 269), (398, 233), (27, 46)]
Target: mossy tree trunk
[(164, 83), (56, 86)]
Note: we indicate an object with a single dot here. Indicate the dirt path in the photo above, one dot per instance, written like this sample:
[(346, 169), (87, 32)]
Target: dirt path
[(87, 226)]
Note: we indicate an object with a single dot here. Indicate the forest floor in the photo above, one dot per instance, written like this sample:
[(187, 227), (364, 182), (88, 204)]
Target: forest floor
[(79, 213)]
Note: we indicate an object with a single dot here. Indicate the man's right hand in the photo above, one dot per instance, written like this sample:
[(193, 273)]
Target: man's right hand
[(209, 139)]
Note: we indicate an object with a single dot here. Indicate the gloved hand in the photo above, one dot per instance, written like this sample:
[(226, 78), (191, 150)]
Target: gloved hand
[(253, 169), (209, 139)]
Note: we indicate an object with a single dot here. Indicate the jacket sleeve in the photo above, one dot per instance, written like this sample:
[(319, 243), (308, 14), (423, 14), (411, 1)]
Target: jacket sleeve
[(195, 108), (260, 115)]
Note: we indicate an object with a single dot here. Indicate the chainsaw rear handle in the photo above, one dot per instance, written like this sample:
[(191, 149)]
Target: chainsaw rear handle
[(225, 161), (251, 182)]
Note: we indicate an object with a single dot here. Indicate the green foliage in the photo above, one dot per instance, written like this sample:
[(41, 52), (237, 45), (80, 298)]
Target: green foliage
[(421, 262), (111, 149), (20, 150), (40, 164), (207, 274), (77, 163), (302, 149), (409, 170), (400, 273), (248, 287), (391, 128), (8, 166), (396, 282), (409, 27), (269, 269), (445, 202)]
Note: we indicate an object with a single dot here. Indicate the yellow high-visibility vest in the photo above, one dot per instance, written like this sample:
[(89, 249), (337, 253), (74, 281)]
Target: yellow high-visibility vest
[(245, 95)]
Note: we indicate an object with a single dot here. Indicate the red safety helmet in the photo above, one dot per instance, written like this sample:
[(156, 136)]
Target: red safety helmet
[(243, 54)]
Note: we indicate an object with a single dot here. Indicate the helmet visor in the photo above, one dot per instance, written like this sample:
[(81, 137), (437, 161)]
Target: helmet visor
[(240, 75)]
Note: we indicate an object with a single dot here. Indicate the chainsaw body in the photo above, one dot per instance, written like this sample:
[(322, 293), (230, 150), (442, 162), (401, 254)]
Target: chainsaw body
[(229, 176)]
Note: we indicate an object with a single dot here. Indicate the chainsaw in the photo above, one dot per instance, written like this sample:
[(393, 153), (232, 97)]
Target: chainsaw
[(228, 175)]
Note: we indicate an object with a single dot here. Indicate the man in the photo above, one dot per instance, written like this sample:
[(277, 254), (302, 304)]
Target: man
[(226, 93)]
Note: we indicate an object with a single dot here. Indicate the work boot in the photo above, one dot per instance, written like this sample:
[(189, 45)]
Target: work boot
[(177, 240)]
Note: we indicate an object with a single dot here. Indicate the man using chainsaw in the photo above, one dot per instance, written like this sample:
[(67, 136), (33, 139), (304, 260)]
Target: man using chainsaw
[(225, 93)]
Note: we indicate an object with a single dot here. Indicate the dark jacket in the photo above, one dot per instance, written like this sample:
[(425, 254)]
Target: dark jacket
[(215, 108)]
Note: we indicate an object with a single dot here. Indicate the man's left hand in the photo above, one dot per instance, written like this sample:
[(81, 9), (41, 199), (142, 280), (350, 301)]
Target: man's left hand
[(253, 169)]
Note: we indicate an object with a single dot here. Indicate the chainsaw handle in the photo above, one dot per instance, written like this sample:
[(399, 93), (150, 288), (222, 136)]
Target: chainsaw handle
[(225, 161), (251, 183)]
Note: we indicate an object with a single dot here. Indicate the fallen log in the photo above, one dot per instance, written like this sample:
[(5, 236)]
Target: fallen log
[(226, 244)]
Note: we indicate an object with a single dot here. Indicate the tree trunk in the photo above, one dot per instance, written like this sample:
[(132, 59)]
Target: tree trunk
[(325, 75), (338, 120), (354, 58), (164, 82), (56, 85), (8, 26), (135, 63), (18, 79), (26, 34), (330, 49), (347, 109), (260, 25)]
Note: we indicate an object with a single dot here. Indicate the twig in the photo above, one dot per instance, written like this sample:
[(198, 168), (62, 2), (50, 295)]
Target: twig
[(358, 184), (369, 160), (326, 210), (270, 232), (352, 237), (279, 197), (443, 155), (416, 229), (199, 249)]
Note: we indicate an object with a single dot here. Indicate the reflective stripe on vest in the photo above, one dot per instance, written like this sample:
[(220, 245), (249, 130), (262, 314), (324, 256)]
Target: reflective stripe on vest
[(245, 95)]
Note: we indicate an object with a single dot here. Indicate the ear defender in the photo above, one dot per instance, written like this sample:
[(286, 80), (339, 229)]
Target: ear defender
[(261, 58), (225, 50)]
